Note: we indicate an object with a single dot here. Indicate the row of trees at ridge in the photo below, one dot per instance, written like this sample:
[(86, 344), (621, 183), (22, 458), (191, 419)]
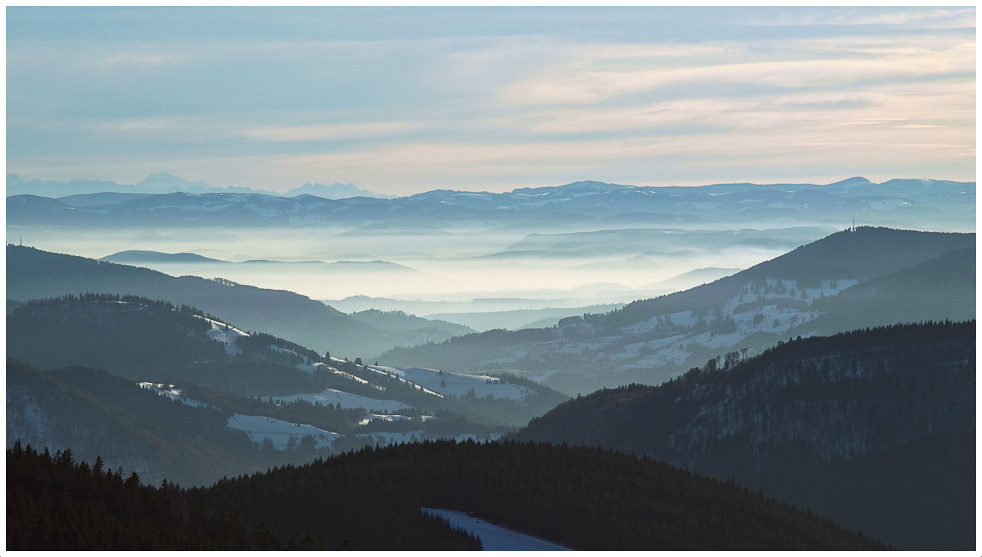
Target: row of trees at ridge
[(372, 499)]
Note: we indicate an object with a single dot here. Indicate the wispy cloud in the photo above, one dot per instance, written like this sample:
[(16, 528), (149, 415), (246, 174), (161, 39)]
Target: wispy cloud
[(929, 18), (574, 84), (328, 131), (905, 105), (253, 126), (130, 59), (632, 96)]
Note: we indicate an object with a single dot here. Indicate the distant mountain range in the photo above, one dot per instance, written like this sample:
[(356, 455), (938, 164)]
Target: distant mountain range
[(334, 191), (852, 279), (145, 256), (926, 204), (136, 257), (873, 428), (162, 182)]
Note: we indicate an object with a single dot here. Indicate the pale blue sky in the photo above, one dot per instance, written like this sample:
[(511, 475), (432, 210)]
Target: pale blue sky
[(409, 99)]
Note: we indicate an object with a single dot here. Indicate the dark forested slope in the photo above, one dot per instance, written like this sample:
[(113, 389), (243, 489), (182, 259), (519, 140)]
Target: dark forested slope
[(148, 340), (372, 499), (57, 504), (293, 402), (33, 273), (875, 428), (95, 414)]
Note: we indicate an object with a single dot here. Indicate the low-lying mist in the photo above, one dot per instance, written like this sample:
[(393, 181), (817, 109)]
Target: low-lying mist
[(480, 269)]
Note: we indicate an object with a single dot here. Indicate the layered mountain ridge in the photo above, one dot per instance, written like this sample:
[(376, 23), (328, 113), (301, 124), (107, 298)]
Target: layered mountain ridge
[(856, 278), (893, 203), (162, 182), (33, 273), (240, 401)]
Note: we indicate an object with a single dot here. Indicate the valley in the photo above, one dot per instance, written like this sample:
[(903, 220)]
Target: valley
[(281, 395), (192, 380), (491, 278)]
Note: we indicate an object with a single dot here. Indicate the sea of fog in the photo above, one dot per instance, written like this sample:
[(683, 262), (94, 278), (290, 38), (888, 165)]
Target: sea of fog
[(502, 269)]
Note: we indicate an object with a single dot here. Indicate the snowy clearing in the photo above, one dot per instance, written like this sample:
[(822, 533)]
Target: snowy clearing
[(225, 334), (455, 384), (282, 434), (346, 400), (760, 306), (172, 393), (494, 538)]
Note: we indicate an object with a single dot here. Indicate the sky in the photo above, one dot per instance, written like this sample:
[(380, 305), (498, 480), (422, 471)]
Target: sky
[(406, 100)]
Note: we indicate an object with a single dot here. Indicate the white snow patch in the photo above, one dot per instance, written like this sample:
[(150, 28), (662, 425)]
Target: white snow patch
[(455, 384), (312, 367), (646, 326), (391, 418), (281, 433), (171, 392), (684, 319), (347, 375), (493, 537), (346, 400), (226, 334)]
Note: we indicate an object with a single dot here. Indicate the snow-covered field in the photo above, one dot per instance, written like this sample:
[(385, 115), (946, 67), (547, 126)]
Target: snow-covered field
[(494, 538), (226, 334), (347, 400), (392, 418), (282, 434), (762, 306), (285, 435), (455, 384), (171, 392)]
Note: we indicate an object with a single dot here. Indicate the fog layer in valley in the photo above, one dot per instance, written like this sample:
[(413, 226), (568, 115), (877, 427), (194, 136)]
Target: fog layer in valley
[(448, 270)]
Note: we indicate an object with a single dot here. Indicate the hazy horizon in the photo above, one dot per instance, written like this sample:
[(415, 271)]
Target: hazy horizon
[(192, 181), (405, 100)]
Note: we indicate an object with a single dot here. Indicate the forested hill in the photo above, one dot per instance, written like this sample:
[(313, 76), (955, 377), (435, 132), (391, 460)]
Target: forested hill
[(34, 274), (850, 279), (860, 255), (147, 340), (875, 428), (371, 500)]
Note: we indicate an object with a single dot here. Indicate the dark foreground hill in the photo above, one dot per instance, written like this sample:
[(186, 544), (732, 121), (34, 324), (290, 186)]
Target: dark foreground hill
[(874, 428), (371, 500)]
